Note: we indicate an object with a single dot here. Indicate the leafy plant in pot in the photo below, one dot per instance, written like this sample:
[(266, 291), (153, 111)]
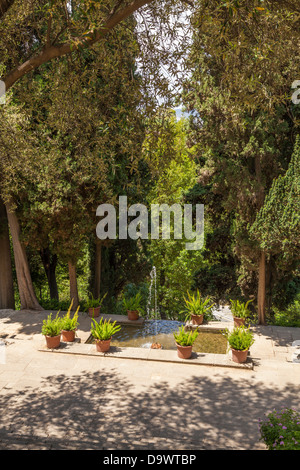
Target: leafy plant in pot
[(239, 339), (69, 325), (199, 309), (94, 305), (51, 329), (133, 306), (103, 332), (240, 311), (184, 342)]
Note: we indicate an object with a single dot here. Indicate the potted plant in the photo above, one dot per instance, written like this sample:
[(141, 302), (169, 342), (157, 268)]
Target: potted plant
[(51, 329), (184, 342), (198, 308), (239, 339), (102, 332), (94, 305), (69, 325), (133, 306), (240, 311)]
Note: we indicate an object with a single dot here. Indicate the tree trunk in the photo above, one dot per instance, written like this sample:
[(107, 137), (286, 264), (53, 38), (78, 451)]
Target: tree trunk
[(97, 274), (261, 294), (50, 263), (6, 278), (73, 284), (26, 291)]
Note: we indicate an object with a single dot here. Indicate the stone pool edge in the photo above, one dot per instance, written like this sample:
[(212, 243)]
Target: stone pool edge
[(160, 355)]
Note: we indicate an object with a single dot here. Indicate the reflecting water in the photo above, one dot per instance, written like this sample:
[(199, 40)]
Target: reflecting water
[(161, 331)]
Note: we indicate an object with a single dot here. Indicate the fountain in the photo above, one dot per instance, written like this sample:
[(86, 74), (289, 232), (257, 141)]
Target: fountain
[(149, 310)]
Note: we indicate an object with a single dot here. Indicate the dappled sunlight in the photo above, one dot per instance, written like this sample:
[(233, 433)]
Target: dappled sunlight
[(103, 410)]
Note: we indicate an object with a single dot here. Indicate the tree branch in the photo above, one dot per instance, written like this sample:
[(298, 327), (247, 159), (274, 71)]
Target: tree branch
[(4, 6), (51, 52)]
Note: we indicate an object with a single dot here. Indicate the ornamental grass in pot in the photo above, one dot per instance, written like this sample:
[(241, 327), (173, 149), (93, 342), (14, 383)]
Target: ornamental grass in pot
[(240, 311), (51, 329), (199, 309), (94, 305), (102, 332), (184, 341), (69, 325), (239, 339), (133, 306)]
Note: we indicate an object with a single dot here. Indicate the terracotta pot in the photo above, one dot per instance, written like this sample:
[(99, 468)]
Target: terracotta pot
[(197, 319), (156, 346), (238, 321), (239, 356), (94, 312), (103, 345), (184, 352), (68, 336), (53, 342), (132, 315)]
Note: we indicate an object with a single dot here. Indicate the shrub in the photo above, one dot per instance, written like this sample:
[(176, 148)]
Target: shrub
[(288, 317), (52, 327), (280, 430), (133, 303), (240, 309), (104, 329), (185, 338), (196, 305), (240, 338), (68, 323)]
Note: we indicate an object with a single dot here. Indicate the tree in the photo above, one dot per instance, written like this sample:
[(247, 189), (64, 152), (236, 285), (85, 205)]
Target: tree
[(277, 225), (6, 280), (243, 120), (172, 165), (42, 33)]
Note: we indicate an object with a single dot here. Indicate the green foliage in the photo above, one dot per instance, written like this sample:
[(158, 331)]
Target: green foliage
[(240, 338), (277, 225), (216, 280), (240, 309), (93, 303), (185, 338), (134, 303), (52, 327), (280, 430), (172, 163), (243, 124), (196, 305), (175, 267), (104, 329), (290, 316), (69, 323)]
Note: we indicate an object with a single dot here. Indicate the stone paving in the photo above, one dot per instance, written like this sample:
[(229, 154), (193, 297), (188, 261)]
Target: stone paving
[(72, 402)]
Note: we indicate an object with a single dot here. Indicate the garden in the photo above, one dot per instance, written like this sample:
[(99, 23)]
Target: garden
[(189, 110)]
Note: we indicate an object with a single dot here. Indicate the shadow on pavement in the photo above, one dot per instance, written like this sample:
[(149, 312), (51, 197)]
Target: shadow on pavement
[(102, 410)]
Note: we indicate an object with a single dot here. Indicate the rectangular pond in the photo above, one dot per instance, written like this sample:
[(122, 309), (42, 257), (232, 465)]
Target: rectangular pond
[(161, 331)]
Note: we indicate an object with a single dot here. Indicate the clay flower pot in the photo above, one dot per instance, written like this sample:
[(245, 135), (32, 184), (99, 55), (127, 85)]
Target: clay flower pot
[(239, 356), (238, 321), (94, 311), (197, 319), (52, 342), (103, 345), (132, 315), (184, 352), (68, 336)]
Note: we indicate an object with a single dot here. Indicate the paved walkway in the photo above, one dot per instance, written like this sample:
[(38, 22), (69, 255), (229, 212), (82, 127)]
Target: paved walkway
[(56, 401)]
